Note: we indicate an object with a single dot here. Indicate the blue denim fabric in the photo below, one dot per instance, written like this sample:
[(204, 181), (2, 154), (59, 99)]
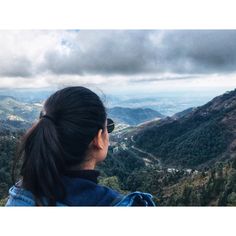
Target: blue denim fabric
[(79, 192), (20, 197), (136, 199), (82, 192)]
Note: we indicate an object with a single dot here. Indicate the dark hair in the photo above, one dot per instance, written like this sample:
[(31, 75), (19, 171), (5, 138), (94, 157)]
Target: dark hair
[(70, 119)]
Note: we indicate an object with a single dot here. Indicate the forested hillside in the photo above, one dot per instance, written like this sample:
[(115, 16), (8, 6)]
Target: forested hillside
[(126, 172), (205, 135), (8, 147), (212, 186)]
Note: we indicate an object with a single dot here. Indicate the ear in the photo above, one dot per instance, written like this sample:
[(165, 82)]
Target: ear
[(98, 140)]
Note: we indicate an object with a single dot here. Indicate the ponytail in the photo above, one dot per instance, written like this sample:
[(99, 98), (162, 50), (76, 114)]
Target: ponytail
[(43, 162)]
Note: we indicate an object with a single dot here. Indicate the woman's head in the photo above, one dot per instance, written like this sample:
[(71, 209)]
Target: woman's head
[(78, 115), (71, 132)]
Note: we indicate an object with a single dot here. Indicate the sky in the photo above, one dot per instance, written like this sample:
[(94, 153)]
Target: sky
[(120, 62)]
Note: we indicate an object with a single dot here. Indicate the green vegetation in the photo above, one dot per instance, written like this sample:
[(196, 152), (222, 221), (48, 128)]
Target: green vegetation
[(213, 187), (8, 144), (121, 164), (125, 171), (188, 142)]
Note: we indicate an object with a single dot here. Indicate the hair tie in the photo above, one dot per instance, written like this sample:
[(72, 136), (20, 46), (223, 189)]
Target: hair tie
[(48, 117), (44, 115)]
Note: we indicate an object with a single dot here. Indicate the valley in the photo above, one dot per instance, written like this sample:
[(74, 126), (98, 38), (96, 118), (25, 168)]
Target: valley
[(188, 158)]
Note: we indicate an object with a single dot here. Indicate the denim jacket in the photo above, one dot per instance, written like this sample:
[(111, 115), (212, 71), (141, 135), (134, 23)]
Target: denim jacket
[(22, 197), (83, 192)]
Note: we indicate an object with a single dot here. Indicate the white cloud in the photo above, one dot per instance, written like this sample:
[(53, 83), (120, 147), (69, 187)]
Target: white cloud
[(24, 51), (118, 61)]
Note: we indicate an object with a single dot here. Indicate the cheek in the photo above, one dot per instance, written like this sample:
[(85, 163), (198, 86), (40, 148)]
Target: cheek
[(107, 137), (107, 143)]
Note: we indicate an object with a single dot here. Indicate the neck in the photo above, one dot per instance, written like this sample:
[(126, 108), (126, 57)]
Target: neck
[(88, 165)]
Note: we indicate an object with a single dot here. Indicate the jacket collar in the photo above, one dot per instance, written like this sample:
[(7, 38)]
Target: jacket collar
[(84, 192), (91, 175)]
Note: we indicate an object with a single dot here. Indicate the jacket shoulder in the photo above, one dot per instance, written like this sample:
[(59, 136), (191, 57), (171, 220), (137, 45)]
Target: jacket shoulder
[(136, 199), (20, 197)]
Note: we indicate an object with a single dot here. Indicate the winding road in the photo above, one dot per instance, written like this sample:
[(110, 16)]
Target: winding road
[(152, 158)]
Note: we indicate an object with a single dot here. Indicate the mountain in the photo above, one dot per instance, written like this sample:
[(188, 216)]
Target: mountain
[(133, 116), (166, 103), (7, 126), (27, 95), (15, 110), (12, 109), (203, 136)]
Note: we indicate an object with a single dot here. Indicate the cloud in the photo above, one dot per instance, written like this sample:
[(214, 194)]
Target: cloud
[(145, 52), (114, 57), (23, 52), (196, 51), (103, 53), (164, 77), (18, 67)]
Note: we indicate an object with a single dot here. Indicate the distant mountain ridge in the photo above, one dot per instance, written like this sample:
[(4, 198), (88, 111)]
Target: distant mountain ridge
[(11, 109), (133, 116), (2, 97), (15, 114)]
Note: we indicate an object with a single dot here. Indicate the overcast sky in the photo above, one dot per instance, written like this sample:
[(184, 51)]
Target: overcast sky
[(119, 61)]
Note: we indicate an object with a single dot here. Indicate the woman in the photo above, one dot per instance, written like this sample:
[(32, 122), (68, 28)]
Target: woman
[(60, 153)]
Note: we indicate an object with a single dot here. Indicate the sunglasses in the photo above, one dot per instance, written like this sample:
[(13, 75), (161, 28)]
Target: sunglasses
[(110, 125)]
